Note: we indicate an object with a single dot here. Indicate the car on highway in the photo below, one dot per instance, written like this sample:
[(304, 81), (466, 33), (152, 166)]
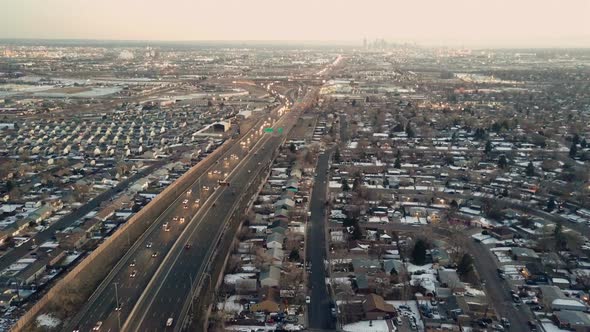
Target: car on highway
[(155, 254), (133, 274), (119, 307), (182, 220), (166, 227), (187, 246), (190, 191), (197, 201), (307, 299), (97, 326), (185, 201), (132, 264), (169, 322), (175, 218), (149, 245)]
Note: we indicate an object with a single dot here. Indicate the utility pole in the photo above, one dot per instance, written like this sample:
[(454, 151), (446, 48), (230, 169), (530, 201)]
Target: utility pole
[(118, 308)]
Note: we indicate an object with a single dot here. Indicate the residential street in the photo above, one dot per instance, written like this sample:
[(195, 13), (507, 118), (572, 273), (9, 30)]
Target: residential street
[(497, 290), (319, 309)]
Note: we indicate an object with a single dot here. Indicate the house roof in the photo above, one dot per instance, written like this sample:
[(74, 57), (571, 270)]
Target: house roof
[(551, 293), (374, 302), (275, 237), (390, 264), (272, 272), (524, 252), (450, 278), (361, 263), (573, 318), (362, 282)]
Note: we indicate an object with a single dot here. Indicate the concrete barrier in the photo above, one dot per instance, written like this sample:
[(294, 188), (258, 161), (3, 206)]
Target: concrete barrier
[(113, 247)]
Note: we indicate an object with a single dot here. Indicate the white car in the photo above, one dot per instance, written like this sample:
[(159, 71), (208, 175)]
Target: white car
[(307, 299), (169, 321), (149, 245)]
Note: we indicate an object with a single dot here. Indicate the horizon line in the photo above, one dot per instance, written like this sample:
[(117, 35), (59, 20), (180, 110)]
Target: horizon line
[(295, 42)]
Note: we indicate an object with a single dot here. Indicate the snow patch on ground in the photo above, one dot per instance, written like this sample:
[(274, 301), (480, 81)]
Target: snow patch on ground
[(230, 279), (46, 320), (414, 268), (365, 326), (230, 305), (474, 292)]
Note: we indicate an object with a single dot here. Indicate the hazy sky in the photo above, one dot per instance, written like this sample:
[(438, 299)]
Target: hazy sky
[(456, 22)]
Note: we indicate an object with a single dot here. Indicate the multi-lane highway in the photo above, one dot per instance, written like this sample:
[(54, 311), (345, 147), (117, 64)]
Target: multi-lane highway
[(114, 299), (150, 287), (169, 255), (166, 295)]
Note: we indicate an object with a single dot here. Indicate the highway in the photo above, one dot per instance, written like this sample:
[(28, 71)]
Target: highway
[(152, 282), (318, 311), (168, 294), (128, 279)]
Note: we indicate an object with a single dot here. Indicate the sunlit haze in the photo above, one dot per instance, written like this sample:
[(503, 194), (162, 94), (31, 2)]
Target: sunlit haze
[(504, 23)]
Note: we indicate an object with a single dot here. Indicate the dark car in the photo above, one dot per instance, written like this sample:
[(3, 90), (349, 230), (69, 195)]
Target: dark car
[(532, 326)]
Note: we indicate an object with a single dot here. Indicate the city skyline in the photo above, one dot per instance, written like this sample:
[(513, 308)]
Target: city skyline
[(452, 23)]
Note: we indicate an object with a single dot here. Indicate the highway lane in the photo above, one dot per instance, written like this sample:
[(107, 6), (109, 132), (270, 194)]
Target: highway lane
[(172, 286), (318, 311), (102, 306)]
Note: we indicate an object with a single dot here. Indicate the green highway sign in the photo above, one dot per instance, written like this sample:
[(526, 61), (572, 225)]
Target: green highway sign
[(270, 130)]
